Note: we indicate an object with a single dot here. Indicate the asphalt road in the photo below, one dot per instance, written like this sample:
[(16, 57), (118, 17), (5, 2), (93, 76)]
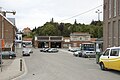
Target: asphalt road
[(64, 66)]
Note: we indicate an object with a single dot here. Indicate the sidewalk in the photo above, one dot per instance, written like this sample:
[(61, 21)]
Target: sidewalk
[(13, 70)]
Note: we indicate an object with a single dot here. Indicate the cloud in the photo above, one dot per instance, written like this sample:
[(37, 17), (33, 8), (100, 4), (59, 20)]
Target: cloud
[(31, 13)]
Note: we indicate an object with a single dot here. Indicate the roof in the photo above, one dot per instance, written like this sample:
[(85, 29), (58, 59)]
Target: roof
[(7, 19), (113, 48), (27, 29), (27, 39), (79, 33), (12, 20), (93, 39)]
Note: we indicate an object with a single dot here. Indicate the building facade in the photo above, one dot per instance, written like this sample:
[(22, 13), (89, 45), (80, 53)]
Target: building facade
[(26, 31), (111, 29), (48, 41), (74, 40), (77, 38), (7, 32)]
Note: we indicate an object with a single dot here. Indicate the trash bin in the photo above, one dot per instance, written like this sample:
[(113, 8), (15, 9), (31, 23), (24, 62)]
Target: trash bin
[(98, 54)]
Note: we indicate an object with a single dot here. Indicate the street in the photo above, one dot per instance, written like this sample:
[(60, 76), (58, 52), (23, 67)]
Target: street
[(64, 66)]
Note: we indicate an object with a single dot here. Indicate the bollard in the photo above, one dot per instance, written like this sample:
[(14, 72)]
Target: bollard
[(20, 64)]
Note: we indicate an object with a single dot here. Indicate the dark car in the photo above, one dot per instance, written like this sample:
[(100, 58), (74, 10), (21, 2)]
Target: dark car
[(8, 54), (52, 50), (41, 50)]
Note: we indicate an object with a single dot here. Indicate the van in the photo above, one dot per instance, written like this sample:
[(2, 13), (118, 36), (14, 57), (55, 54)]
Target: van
[(110, 59)]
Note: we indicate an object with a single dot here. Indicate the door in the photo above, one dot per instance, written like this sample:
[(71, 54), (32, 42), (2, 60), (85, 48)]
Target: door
[(114, 60), (105, 58)]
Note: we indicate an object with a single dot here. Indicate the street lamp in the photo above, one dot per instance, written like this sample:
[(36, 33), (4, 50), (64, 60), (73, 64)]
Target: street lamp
[(98, 12)]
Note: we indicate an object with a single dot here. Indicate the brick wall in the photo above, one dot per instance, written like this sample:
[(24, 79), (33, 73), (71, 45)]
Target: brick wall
[(8, 32)]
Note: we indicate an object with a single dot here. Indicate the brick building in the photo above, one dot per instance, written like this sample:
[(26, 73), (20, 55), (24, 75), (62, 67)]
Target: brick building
[(77, 38), (48, 41), (111, 29), (26, 31), (74, 40), (7, 31)]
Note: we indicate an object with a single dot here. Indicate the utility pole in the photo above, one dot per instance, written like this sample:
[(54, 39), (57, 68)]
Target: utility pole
[(98, 12), (4, 12)]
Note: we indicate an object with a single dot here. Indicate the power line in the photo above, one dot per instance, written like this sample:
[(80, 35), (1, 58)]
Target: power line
[(81, 13)]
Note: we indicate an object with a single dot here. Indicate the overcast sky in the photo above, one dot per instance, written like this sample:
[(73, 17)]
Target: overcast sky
[(31, 13)]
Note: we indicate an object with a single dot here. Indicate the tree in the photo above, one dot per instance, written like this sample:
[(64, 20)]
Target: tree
[(64, 29), (61, 27)]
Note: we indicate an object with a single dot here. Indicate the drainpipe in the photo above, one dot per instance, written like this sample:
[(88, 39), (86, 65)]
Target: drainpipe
[(2, 28)]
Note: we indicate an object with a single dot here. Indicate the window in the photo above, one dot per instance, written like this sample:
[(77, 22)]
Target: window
[(110, 8), (119, 31), (106, 53), (115, 6), (119, 6), (110, 33), (80, 38), (113, 33), (114, 52)]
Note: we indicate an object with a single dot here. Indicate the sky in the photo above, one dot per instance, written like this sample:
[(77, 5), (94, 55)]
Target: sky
[(35, 13)]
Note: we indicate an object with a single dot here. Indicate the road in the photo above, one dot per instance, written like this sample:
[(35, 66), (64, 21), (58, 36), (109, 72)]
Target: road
[(64, 66)]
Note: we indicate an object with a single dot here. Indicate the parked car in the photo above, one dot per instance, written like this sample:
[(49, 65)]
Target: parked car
[(27, 49), (74, 49), (46, 49), (8, 54), (30, 50), (52, 50), (110, 59), (77, 53), (87, 54), (42, 50)]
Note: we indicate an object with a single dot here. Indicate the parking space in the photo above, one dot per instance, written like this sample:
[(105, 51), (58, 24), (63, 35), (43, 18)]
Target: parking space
[(64, 66)]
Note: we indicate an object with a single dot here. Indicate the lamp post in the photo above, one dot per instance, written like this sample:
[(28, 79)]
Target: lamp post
[(98, 12)]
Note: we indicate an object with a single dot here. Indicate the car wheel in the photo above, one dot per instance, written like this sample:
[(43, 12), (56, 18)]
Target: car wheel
[(102, 66), (80, 55), (10, 57)]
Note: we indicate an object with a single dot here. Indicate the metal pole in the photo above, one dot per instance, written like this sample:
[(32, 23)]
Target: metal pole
[(20, 64), (98, 11)]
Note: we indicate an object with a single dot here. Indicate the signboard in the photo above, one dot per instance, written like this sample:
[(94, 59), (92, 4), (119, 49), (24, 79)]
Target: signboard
[(2, 43)]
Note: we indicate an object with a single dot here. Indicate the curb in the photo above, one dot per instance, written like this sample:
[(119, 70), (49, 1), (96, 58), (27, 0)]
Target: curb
[(23, 73)]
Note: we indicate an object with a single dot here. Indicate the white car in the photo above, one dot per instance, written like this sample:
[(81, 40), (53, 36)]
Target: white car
[(87, 54), (77, 53), (52, 50), (26, 52), (27, 49)]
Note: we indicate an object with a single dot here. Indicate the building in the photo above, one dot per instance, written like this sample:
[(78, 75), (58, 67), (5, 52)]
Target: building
[(48, 41), (66, 42), (74, 40), (26, 31), (111, 29), (18, 40), (7, 32), (27, 42), (77, 38)]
